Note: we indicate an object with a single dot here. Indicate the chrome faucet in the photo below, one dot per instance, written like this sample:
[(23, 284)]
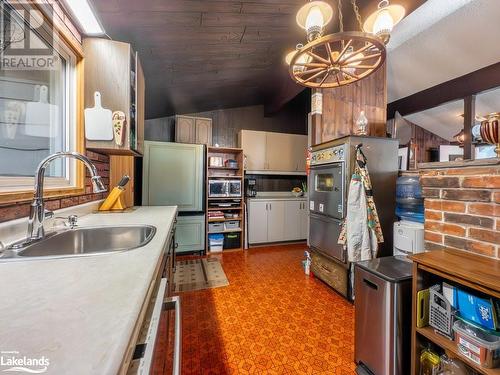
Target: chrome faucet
[(37, 210)]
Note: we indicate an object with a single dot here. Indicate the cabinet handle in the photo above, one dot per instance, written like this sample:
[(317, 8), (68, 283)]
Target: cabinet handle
[(270, 206)]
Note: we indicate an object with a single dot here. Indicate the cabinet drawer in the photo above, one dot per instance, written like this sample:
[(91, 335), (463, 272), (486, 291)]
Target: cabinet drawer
[(330, 272)]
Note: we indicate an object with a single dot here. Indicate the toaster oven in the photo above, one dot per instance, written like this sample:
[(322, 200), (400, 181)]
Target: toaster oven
[(224, 188)]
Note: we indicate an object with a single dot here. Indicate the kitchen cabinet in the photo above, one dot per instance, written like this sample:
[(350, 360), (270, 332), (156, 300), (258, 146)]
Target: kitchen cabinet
[(296, 213), (257, 222), (273, 153), (196, 130), (114, 70), (173, 175), (253, 144), (190, 234), (277, 220)]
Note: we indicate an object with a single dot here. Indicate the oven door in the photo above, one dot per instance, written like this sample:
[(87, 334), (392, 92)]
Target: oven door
[(324, 234), (326, 196)]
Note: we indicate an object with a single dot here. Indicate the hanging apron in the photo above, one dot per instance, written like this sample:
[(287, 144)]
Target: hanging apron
[(361, 232)]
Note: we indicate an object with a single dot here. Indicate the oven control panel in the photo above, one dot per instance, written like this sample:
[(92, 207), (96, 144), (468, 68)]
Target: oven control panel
[(328, 155)]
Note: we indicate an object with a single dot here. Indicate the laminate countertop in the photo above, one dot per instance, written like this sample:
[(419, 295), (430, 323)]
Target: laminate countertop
[(79, 312), (276, 198)]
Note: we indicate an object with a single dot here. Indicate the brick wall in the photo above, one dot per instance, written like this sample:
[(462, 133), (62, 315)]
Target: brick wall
[(462, 209), (18, 210)]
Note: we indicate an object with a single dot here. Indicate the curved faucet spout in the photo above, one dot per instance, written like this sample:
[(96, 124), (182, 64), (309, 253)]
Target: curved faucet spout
[(37, 209)]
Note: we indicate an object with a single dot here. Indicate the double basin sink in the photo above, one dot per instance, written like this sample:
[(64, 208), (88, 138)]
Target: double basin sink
[(84, 241)]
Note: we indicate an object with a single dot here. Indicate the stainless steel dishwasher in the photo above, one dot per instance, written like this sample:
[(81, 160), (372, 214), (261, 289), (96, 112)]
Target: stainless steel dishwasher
[(383, 316)]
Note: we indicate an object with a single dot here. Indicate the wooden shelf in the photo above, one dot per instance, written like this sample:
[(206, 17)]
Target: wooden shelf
[(235, 230), (224, 208), (225, 176), (224, 168), (223, 150), (460, 268), (451, 349), (224, 219)]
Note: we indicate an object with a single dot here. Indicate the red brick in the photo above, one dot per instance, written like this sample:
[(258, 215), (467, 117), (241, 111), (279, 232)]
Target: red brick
[(444, 205), (14, 212), (484, 209), (433, 215), (492, 182), (496, 197), (466, 195), (479, 221), (431, 193), (68, 202), (440, 182), (433, 237), (491, 236), (452, 229), (475, 171), (431, 246), (468, 245)]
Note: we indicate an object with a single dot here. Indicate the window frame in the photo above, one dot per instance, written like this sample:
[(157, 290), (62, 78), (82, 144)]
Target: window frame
[(22, 187)]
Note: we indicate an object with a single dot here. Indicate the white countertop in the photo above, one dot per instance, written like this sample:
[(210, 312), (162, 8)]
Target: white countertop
[(276, 196), (80, 312)]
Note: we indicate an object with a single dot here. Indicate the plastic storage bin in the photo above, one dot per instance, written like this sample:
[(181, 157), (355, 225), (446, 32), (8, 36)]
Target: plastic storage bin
[(409, 200), (233, 224), (478, 345), (232, 240), (215, 227), (215, 242)]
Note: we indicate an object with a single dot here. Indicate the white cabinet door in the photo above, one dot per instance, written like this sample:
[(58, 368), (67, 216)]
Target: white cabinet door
[(293, 210), (304, 220), (253, 144), (276, 221), (257, 222)]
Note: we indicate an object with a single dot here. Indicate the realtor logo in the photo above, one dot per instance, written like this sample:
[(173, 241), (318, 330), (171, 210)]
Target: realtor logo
[(14, 362), (26, 37)]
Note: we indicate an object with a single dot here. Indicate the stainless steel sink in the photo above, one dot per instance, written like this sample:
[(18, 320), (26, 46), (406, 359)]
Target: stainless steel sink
[(86, 241)]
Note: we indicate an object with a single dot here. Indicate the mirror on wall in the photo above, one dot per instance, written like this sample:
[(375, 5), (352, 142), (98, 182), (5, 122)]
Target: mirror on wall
[(437, 134)]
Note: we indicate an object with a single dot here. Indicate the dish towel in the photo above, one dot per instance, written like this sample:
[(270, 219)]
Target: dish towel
[(361, 232)]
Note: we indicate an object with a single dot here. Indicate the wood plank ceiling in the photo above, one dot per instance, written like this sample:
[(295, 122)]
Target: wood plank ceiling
[(201, 55)]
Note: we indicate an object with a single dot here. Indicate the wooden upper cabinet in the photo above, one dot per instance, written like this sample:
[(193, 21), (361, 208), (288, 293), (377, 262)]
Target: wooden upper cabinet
[(197, 130), (268, 152), (184, 129), (253, 144), (114, 69), (299, 145), (203, 131)]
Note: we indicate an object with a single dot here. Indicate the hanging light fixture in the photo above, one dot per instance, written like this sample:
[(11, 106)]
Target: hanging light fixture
[(313, 17), (332, 60), (382, 21)]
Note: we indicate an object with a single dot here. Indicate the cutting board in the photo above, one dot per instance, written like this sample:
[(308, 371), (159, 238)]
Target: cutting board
[(98, 121), (42, 119)]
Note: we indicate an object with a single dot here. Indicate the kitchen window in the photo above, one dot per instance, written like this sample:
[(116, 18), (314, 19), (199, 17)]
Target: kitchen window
[(37, 112)]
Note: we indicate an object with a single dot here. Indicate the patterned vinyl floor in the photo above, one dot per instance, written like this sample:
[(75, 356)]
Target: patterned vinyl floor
[(271, 319)]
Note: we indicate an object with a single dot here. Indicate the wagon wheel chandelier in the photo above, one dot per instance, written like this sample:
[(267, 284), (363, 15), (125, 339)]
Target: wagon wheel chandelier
[(345, 57)]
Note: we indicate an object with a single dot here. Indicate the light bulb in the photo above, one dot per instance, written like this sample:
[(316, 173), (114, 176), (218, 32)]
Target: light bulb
[(383, 23), (314, 18)]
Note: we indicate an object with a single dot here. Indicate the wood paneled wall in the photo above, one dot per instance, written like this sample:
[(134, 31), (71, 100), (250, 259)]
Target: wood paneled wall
[(424, 141), (226, 123), (341, 108)]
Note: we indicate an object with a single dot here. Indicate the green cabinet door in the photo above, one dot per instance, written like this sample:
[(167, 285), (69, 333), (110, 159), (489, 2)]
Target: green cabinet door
[(190, 233), (173, 175)]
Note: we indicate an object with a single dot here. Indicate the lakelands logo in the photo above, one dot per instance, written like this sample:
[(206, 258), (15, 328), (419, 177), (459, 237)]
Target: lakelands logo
[(13, 361), (26, 37)]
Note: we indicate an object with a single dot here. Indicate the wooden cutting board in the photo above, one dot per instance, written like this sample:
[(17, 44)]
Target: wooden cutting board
[(98, 121)]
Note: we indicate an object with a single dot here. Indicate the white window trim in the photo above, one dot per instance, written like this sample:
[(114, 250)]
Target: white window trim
[(17, 184)]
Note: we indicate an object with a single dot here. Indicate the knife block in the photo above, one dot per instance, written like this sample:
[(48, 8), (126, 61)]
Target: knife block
[(113, 201)]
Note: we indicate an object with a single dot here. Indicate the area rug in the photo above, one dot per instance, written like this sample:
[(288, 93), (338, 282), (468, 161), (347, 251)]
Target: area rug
[(197, 274)]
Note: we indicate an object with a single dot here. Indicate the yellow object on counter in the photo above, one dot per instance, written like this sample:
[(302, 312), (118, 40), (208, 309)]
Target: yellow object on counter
[(113, 201)]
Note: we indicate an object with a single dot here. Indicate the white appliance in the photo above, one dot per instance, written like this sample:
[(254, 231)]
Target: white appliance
[(408, 238)]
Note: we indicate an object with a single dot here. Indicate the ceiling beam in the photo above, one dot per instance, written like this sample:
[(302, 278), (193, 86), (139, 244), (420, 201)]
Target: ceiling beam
[(456, 89)]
